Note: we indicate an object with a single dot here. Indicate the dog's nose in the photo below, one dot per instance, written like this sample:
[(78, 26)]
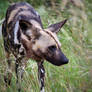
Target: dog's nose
[(66, 60)]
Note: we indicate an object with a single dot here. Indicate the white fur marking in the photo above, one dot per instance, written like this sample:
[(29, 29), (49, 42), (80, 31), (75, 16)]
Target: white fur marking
[(37, 13), (42, 80), (9, 36), (15, 32), (21, 48), (42, 90), (42, 71)]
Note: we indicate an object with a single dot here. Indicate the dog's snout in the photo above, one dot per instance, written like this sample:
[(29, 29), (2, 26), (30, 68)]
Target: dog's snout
[(66, 60)]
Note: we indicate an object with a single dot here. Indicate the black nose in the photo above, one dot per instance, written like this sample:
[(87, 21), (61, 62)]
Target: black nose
[(65, 61)]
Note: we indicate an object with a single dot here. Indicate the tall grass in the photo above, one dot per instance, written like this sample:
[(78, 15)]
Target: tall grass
[(76, 41)]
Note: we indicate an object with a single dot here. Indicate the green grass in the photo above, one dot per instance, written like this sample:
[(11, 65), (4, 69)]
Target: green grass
[(76, 41)]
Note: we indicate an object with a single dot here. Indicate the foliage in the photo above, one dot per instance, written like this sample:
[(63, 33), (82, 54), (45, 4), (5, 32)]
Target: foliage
[(76, 41)]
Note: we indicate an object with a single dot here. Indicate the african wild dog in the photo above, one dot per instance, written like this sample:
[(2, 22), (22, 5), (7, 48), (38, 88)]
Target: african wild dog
[(25, 38)]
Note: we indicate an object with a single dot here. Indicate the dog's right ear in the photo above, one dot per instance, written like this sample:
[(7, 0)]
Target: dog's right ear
[(57, 26), (24, 25), (28, 28), (25, 41)]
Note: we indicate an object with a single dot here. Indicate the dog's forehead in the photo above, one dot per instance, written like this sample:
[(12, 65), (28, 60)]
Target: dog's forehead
[(46, 38), (43, 41), (53, 36)]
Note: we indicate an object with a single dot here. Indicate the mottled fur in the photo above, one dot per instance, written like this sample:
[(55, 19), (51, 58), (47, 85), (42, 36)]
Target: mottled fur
[(25, 38)]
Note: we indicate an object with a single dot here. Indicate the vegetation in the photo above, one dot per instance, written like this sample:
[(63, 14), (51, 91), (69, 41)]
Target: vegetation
[(76, 41)]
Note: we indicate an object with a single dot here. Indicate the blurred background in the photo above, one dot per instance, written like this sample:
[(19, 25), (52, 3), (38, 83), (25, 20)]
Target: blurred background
[(76, 41)]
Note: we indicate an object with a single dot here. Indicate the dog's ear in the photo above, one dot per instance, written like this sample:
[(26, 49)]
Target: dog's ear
[(25, 41), (56, 27), (24, 25), (29, 29)]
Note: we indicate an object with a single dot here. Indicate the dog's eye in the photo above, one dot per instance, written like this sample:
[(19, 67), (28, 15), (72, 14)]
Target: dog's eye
[(52, 48)]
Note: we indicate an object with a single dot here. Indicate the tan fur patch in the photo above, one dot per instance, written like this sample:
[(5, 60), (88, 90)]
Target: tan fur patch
[(54, 37), (43, 42), (12, 14), (24, 38), (7, 55), (26, 13), (36, 24)]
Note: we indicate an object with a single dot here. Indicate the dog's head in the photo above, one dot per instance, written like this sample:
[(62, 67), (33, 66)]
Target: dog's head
[(43, 43)]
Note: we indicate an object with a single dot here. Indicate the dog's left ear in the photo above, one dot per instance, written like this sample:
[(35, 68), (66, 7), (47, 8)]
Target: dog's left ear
[(57, 26)]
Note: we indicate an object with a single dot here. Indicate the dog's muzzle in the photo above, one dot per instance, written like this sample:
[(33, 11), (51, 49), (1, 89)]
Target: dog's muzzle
[(57, 59)]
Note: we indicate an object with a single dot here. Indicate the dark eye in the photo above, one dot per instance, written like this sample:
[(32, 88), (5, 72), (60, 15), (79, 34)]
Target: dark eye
[(52, 48)]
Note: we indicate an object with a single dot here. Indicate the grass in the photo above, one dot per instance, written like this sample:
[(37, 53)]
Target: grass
[(76, 41)]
